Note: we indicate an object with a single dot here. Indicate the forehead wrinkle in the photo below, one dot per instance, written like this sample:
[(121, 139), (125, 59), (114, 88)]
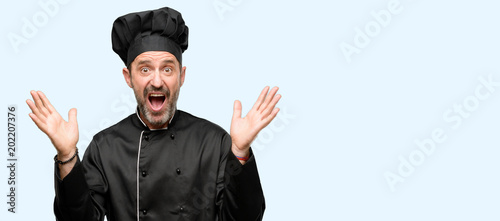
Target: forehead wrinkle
[(168, 61), (149, 61), (145, 61)]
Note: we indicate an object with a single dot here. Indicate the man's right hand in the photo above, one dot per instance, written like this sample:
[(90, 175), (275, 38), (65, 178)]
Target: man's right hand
[(63, 134)]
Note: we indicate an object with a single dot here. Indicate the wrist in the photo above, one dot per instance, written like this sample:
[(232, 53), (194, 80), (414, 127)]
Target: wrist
[(65, 153), (240, 152), (241, 155), (63, 158)]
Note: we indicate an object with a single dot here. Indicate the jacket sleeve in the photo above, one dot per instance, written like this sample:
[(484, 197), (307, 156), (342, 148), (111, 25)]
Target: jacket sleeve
[(239, 192), (74, 200)]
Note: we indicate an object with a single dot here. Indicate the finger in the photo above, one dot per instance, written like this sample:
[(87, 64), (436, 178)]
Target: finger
[(45, 110), (39, 103), (46, 102), (34, 110), (32, 106), (72, 116), (37, 122), (237, 109), (270, 117), (36, 99), (269, 98), (261, 98), (271, 106)]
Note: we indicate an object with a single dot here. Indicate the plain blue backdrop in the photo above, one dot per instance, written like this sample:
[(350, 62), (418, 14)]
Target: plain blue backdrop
[(363, 83)]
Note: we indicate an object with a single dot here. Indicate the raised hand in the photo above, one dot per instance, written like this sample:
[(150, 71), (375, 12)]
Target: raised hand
[(63, 134), (245, 130)]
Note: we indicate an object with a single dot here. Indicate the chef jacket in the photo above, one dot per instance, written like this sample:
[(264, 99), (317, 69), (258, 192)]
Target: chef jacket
[(184, 172)]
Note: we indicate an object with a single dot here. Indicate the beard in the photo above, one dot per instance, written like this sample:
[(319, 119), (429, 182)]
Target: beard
[(157, 119)]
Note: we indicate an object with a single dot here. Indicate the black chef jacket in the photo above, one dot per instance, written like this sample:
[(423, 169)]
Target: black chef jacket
[(184, 172)]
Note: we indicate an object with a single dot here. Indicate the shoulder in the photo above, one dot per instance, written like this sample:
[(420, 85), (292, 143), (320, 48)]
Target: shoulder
[(123, 132), (187, 121), (193, 129), (125, 127)]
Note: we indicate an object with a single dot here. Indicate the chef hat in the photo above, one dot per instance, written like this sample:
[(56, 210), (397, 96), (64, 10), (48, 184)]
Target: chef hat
[(154, 30)]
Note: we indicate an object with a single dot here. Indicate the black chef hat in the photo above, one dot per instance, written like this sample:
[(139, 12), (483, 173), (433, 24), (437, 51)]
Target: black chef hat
[(155, 30)]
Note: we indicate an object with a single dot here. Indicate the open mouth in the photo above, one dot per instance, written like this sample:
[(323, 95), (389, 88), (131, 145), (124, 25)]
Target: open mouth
[(156, 101)]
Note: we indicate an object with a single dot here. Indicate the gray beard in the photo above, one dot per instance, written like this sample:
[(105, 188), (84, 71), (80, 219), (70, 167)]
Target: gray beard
[(169, 112)]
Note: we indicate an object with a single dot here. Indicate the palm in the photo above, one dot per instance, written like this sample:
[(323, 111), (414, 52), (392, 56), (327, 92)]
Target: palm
[(63, 134), (245, 130)]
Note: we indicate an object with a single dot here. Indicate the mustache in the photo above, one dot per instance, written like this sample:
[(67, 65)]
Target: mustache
[(151, 89)]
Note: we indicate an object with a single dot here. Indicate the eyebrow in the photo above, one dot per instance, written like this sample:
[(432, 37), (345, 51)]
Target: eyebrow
[(166, 61), (144, 62)]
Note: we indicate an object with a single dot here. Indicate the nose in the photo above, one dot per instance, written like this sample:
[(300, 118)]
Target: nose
[(156, 80)]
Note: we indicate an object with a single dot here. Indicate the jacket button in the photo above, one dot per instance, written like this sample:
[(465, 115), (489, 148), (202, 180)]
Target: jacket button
[(178, 171), (144, 212), (181, 208), (144, 173), (146, 137), (172, 136)]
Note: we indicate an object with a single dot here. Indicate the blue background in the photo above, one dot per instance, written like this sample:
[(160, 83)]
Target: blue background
[(350, 114)]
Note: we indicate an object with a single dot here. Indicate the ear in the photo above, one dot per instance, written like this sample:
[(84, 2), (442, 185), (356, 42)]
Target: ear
[(127, 76), (183, 74)]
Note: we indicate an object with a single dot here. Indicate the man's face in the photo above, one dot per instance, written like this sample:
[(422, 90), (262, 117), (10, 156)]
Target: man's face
[(156, 78)]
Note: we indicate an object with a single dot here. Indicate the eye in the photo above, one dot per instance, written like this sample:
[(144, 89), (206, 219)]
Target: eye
[(144, 70), (168, 70)]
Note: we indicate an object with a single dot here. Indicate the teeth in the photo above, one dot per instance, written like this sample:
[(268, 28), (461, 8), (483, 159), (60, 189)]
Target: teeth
[(156, 95)]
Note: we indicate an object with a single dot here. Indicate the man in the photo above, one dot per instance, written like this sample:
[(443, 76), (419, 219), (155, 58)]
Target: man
[(159, 163)]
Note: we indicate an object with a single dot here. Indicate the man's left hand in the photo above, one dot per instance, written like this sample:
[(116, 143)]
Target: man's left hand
[(244, 130)]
